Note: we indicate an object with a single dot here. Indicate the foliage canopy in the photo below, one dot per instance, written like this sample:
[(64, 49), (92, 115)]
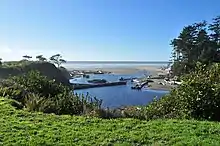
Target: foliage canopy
[(199, 42)]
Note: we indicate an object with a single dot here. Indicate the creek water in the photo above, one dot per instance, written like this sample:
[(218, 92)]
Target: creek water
[(119, 96)]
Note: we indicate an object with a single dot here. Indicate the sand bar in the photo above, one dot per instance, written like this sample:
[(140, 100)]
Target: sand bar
[(125, 70)]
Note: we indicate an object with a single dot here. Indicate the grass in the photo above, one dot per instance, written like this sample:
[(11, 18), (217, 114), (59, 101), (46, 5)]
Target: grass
[(19, 127)]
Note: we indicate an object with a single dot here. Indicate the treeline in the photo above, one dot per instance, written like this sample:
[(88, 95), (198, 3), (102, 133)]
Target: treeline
[(196, 59), (199, 42), (55, 59)]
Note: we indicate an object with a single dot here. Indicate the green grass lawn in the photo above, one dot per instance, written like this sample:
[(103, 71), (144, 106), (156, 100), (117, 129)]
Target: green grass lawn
[(23, 128)]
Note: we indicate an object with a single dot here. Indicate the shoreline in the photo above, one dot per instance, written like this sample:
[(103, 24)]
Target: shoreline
[(153, 71), (123, 70), (156, 86)]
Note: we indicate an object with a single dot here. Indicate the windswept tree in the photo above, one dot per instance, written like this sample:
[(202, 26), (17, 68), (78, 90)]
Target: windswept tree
[(27, 57), (57, 60), (41, 58)]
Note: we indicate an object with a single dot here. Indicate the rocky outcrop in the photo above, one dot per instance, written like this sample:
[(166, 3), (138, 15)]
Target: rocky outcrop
[(45, 68)]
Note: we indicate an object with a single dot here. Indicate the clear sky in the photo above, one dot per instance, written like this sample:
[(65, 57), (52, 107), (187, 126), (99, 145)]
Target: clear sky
[(107, 30)]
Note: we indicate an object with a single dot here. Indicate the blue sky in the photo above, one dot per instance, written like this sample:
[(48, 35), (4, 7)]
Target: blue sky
[(108, 30)]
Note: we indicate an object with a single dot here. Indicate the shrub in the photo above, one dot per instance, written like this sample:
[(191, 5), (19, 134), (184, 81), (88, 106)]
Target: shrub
[(197, 97), (34, 82), (37, 93)]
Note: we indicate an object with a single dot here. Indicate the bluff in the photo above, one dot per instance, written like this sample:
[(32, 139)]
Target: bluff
[(45, 68)]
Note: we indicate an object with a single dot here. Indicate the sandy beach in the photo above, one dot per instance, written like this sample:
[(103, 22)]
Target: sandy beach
[(154, 70)]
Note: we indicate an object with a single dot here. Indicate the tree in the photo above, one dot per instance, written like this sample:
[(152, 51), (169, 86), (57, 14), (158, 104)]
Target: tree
[(183, 49), (199, 42), (183, 44), (41, 58), (57, 60), (215, 31), (27, 57), (0, 61)]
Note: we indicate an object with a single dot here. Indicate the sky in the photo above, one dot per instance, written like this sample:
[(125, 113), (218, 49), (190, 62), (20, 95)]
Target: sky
[(97, 30)]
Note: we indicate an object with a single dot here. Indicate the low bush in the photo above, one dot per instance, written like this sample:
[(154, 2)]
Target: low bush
[(198, 97), (37, 93)]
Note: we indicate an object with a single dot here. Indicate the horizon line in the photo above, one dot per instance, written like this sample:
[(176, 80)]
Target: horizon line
[(132, 62)]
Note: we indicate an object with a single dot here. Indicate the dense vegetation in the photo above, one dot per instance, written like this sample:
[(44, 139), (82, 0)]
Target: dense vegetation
[(36, 92), (198, 97), (199, 42), (195, 53)]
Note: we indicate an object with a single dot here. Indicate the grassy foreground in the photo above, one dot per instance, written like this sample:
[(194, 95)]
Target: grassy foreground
[(19, 127)]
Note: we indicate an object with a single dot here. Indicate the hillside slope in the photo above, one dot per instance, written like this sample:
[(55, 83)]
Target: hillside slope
[(45, 68), (19, 127)]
